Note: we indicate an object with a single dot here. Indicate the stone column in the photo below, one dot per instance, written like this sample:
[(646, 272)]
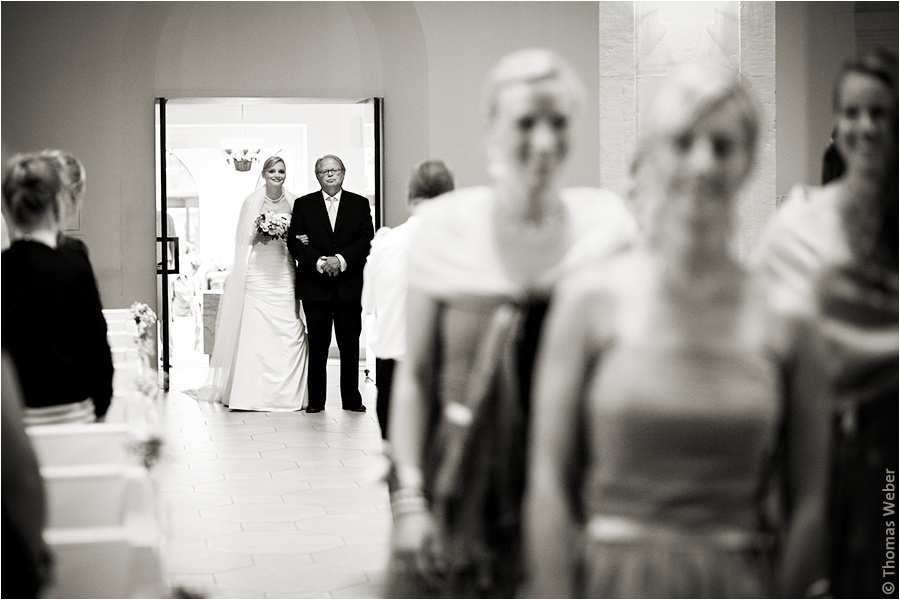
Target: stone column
[(642, 43)]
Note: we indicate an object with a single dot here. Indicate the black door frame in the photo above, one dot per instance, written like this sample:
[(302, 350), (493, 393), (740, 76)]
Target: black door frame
[(164, 239)]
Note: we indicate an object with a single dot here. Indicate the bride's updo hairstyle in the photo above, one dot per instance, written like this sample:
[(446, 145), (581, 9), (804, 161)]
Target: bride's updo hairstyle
[(531, 65), (271, 161), (31, 189)]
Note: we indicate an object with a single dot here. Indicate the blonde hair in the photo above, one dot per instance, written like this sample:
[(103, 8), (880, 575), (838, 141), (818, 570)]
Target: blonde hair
[(530, 65), (273, 160), (72, 169), (687, 98), (31, 188)]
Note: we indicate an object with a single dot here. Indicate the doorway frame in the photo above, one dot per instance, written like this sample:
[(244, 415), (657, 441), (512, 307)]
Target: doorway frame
[(161, 188)]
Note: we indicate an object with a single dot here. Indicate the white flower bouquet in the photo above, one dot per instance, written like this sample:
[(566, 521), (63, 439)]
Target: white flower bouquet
[(145, 319), (271, 225)]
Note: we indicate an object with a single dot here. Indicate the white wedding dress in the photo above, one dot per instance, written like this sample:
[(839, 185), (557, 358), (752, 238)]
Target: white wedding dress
[(270, 366)]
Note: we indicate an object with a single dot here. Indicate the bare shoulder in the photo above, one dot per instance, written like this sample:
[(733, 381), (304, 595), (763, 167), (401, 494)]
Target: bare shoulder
[(595, 203), (805, 202), (597, 291)]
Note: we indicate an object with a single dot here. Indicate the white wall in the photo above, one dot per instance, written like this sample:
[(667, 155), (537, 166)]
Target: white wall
[(646, 42), (83, 76), (813, 39)]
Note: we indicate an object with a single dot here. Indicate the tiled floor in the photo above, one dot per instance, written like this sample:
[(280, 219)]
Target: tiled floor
[(272, 505)]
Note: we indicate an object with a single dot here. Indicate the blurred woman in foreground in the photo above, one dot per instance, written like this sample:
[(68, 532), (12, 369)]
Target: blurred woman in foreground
[(835, 248), (483, 263), (668, 392)]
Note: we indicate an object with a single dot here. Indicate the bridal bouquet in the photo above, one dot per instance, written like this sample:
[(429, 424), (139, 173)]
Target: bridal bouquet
[(272, 225)]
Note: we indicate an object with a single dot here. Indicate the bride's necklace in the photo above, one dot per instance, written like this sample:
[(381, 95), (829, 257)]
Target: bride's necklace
[(278, 199)]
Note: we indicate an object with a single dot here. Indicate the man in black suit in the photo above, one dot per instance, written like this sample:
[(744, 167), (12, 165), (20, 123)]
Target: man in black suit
[(339, 226)]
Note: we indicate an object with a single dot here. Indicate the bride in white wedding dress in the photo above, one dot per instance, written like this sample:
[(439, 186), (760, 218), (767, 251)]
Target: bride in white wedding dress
[(259, 361)]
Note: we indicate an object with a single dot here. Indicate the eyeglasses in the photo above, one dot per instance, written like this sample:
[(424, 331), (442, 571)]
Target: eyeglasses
[(330, 172)]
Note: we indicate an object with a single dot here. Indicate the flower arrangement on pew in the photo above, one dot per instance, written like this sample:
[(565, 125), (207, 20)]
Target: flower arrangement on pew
[(149, 448), (146, 342)]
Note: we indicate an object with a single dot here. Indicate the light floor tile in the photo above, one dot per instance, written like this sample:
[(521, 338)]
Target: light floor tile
[(269, 499), (312, 454), (347, 525), (355, 496), (371, 556), (282, 561), (316, 472), (199, 529), (248, 475), (248, 465), (310, 577), (333, 485), (293, 439), (277, 542), (193, 500), (266, 526), (217, 447), (251, 487), (272, 505), (184, 561), (261, 513)]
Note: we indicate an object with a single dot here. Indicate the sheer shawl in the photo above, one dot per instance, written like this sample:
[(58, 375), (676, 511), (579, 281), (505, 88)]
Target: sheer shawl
[(231, 304)]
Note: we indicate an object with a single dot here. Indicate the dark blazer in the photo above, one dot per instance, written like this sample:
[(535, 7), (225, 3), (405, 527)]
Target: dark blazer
[(351, 238), (53, 327)]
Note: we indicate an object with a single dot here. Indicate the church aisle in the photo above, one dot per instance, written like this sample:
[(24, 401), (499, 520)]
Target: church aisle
[(272, 505)]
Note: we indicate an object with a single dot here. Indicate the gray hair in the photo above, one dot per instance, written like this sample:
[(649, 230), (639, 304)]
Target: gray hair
[(331, 156), (430, 179)]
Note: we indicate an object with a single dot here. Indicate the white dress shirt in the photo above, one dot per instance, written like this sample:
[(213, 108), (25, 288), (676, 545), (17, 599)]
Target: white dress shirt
[(328, 205), (384, 289)]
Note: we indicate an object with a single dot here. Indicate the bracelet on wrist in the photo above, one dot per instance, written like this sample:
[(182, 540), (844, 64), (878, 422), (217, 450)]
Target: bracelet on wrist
[(406, 492), (413, 501)]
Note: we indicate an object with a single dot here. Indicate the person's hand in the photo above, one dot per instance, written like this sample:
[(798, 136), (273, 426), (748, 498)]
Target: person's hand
[(414, 540), (304, 239), (332, 266)]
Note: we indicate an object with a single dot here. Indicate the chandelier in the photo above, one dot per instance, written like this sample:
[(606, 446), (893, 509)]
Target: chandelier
[(242, 152), (241, 158)]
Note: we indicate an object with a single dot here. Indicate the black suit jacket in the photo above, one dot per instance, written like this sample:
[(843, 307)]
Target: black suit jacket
[(54, 328), (351, 238)]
